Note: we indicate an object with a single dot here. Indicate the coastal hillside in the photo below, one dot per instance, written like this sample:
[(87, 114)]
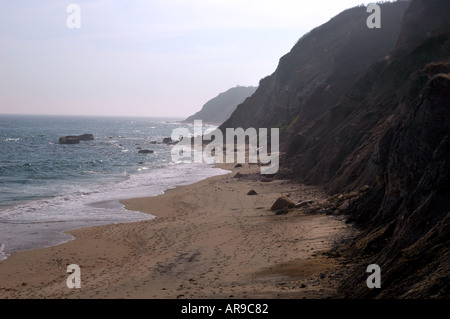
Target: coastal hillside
[(219, 109), (381, 121), (320, 68)]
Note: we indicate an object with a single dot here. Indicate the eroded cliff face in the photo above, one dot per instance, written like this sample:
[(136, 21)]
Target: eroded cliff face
[(320, 68), (219, 109), (391, 132), (383, 123), (405, 218)]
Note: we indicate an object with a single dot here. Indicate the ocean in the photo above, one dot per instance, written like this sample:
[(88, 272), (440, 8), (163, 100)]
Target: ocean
[(47, 188)]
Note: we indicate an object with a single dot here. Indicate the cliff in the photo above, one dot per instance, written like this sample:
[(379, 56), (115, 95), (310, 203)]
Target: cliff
[(219, 109), (319, 69), (358, 106)]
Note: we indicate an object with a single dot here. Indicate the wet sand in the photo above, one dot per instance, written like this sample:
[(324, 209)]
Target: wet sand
[(208, 240)]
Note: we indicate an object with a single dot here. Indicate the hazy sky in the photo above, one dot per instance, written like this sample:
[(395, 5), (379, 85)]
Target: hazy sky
[(144, 57)]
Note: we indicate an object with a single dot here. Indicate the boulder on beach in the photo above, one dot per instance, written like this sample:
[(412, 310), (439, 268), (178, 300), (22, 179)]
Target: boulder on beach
[(252, 192), (145, 152), (281, 203), (238, 175), (282, 211), (303, 203)]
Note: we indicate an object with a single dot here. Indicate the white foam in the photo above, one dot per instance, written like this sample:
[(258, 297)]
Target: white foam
[(86, 207), (2, 254)]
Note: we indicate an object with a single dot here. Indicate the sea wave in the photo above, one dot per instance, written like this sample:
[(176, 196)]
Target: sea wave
[(91, 206)]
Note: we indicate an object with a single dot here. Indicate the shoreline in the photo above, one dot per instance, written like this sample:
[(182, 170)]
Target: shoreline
[(208, 240), (95, 209)]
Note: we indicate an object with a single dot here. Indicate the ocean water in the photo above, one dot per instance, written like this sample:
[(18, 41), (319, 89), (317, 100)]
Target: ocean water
[(47, 188)]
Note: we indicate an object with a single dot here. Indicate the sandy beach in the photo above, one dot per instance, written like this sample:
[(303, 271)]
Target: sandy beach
[(208, 240)]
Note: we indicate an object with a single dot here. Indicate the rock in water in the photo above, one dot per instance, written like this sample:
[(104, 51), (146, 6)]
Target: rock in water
[(145, 152), (69, 140), (169, 141), (75, 139), (282, 202), (86, 137)]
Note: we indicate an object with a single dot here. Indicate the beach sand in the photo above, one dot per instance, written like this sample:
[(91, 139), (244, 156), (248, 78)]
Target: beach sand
[(209, 240)]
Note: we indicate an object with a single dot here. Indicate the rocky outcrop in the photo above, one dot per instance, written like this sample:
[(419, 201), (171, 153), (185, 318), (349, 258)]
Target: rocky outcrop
[(145, 152), (69, 140), (86, 137), (322, 66), (169, 141), (75, 139), (219, 109)]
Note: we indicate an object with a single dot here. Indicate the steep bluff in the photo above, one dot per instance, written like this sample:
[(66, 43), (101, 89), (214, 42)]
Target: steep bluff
[(382, 121), (322, 66), (219, 109)]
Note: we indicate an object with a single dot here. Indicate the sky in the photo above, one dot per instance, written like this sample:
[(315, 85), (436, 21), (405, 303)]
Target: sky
[(161, 58)]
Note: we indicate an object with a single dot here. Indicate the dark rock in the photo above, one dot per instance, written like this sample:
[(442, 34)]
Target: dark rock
[(167, 140), (238, 165), (145, 152), (252, 192), (153, 142), (238, 175), (303, 203), (138, 148), (86, 137), (350, 220), (282, 202), (75, 139), (344, 205), (282, 211), (69, 140), (311, 210)]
